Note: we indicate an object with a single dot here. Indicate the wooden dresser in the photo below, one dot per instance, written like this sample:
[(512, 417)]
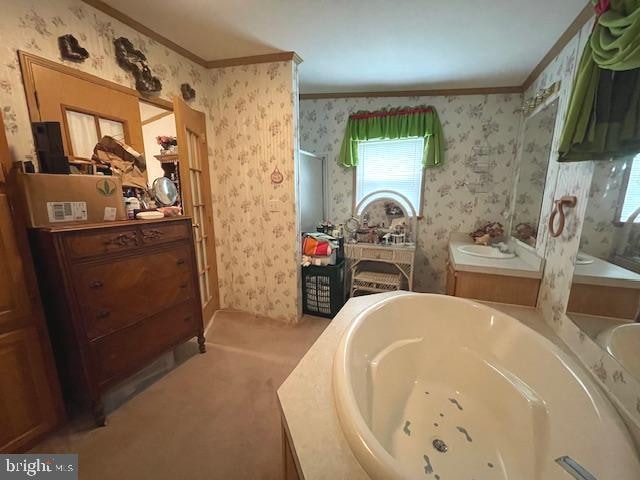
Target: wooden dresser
[(117, 295)]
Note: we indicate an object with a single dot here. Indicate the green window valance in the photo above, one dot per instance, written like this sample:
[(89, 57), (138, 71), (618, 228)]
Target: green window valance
[(603, 119), (394, 124)]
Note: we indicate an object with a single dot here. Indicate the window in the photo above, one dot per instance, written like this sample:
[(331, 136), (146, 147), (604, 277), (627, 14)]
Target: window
[(391, 165), (85, 130), (631, 200)]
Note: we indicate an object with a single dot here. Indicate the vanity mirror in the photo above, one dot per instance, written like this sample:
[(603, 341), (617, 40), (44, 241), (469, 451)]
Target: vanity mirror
[(385, 217), (165, 191), (605, 292), (532, 172)]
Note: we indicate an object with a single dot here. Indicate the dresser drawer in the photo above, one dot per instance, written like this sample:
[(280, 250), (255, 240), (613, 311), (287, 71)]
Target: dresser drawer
[(124, 352), (117, 294), (157, 234), (91, 243)]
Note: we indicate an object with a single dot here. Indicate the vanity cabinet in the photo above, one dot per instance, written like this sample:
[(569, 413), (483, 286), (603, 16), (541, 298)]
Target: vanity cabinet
[(492, 288), (117, 296)]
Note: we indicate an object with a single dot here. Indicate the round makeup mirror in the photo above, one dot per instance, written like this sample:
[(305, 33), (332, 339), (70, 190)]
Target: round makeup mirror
[(164, 191)]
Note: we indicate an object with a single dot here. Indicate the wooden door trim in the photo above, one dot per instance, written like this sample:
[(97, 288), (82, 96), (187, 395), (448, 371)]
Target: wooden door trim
[(33, 318), (28, 60), (157, 117), (97, 116), (185, 115)]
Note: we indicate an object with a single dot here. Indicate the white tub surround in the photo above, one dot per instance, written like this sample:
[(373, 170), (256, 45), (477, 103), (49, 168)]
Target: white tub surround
[(322, 450), (526, 264)]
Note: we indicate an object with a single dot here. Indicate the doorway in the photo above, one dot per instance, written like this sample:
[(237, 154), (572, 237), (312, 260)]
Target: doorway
[(99, 106), (159, 123), (312, 191)]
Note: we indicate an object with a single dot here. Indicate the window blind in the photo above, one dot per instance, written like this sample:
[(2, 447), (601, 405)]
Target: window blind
[(391, 165), (632, 194)]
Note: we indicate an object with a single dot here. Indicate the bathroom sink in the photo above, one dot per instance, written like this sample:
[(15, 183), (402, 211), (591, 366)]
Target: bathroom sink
[(485, 251), (623, 342), (433, 386)]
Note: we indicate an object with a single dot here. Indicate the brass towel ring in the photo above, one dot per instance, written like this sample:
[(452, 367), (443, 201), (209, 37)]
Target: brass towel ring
[(558, 209)]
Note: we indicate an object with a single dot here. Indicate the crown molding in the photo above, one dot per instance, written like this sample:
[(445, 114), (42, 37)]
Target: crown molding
[(580, 21), (583, 17), (417, 93), (130, 22), (266, 58), (228, 62)]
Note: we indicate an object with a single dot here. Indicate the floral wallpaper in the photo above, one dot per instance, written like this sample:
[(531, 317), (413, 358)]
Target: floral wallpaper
[(560, 253), (473, 125), (251, 125), (253, 121)]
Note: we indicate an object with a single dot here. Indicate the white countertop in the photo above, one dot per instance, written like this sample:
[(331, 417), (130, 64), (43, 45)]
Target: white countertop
[(603, 273), (525, 264), (307, 404)]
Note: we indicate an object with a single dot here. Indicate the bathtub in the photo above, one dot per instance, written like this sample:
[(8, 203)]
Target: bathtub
[(443, 388)]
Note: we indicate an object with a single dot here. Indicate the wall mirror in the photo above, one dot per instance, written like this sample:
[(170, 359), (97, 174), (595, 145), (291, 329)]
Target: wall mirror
[(385, 217), (532, 172), (605, 292)]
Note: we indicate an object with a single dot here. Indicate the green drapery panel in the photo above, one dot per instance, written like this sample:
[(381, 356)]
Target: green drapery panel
[(391, 125), (603, 119)]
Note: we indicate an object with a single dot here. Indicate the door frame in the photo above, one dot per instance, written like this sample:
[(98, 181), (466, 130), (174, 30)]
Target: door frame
[(28, 60), (184, 115)]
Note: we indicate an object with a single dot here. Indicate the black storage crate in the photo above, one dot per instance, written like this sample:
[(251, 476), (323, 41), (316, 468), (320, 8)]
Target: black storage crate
[(323, 289)]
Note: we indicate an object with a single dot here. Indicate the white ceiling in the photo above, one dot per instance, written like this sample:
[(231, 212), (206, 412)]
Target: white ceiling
[(370, 45)]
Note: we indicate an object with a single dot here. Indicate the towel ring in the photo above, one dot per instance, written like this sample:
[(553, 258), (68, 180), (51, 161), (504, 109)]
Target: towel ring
[(558, 209)]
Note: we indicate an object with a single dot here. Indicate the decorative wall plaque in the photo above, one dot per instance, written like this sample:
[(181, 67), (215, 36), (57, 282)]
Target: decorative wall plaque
[(70, 49), (276, 177), (134, 61), (188, 93)]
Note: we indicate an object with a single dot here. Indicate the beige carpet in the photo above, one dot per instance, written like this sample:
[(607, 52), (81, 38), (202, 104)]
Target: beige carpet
[(214, 416)]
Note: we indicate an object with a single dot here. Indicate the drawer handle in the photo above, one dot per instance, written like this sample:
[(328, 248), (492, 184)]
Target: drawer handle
[(186, 319), (184, 285), (103, 313), (96, 284), (180, 261), (122, 240)]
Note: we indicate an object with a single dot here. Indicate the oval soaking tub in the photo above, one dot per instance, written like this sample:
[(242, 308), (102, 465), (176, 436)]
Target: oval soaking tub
[(438, 387)]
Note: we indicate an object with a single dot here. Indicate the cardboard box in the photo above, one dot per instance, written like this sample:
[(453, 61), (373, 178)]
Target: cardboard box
[(70, 199)]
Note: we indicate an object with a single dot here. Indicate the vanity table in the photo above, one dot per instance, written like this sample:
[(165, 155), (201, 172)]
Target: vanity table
[(402, 257)]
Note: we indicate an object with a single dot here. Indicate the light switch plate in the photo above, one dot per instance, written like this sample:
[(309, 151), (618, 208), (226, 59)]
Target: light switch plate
[(274, 205)]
